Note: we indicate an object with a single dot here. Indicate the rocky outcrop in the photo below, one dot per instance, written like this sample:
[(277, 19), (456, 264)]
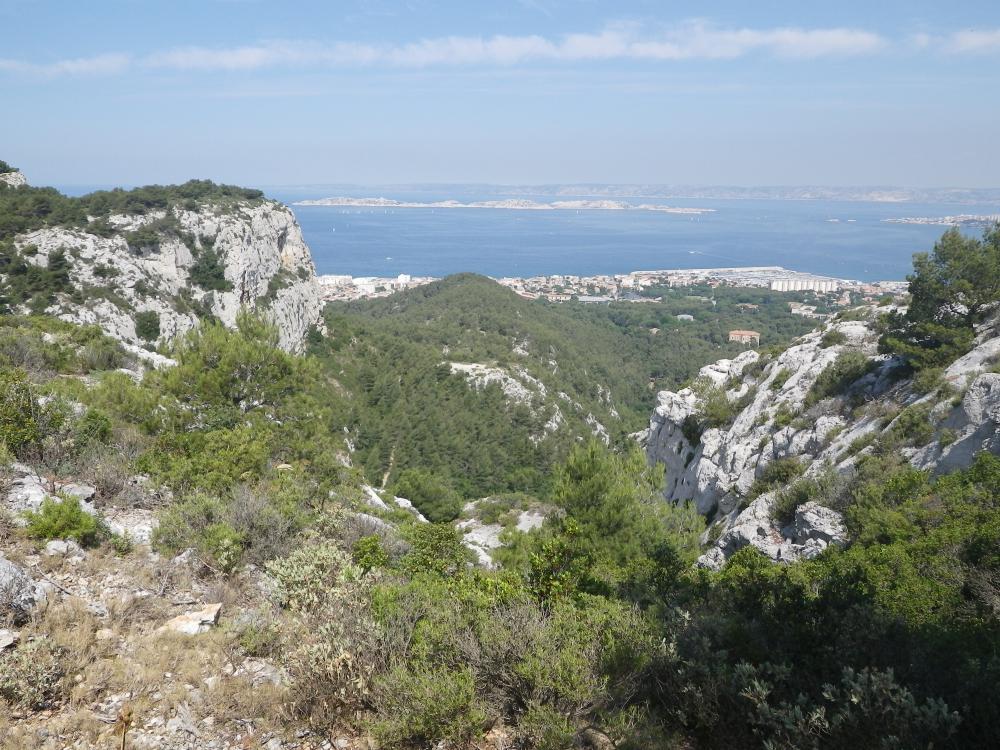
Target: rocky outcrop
[(18, 592), (263, 258), (195, 622), (718, 470), (771, 420), (815, 528), (13, 179), (520, 387)]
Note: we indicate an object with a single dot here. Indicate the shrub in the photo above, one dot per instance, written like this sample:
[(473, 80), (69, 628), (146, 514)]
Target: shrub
[(784, 415), (93, 427), (435, 548), (952, 289), (715, 408), (101, 354), (30, 674), (430, 493), (779, 472), (308, 577), (865, 709), (18, 426), (248, 525), (824, 489), (913, 426), (369, 554), (424, 707), (147, 325), (849, 367), (859, 444), (692, 429), (63, 519), (209, 273), (780, 378), (832, 337), (927, 380)]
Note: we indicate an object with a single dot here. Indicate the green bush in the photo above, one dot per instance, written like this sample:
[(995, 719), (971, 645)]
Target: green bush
[(784, 415), (824, 489), (832, 337), (838, 377), (30, 675), (308, 577), (64, 519), (864, 709), (94, 427), (209, 273), (779, 472), (435, 548), (780, 378), (369, 554), (952, 289), (147, 325), (927, 380), (425, 707), (431, 494), (912, 427), (18, 425)]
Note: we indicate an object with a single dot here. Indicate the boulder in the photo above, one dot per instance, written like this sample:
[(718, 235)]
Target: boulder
[(64, 548), (18, 592), (26, 493), (83, 493), (195, 622), (8, 638), (814, 522)]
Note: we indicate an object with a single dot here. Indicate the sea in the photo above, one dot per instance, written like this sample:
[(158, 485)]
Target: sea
[(842, 239)]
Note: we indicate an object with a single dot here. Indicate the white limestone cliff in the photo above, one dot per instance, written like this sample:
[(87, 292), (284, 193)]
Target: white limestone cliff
[(259, 246), (717, 471), (13, 179)]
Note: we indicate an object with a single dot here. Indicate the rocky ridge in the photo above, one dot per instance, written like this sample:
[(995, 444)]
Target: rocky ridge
[(13, 179), (147, 266), (773, 420), (521, 387)]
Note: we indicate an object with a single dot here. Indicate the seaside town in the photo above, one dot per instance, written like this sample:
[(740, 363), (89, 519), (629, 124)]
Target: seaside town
[(630, 287)]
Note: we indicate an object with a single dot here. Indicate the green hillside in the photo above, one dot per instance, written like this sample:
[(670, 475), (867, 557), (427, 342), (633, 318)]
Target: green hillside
[(410, 410)]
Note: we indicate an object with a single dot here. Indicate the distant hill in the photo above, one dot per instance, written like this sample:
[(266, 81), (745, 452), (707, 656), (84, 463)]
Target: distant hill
[(466, 378)]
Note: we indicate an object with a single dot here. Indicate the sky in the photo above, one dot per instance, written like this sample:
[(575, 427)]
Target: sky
[(879, 92)]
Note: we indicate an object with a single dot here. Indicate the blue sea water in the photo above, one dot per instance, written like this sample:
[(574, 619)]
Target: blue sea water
[(796, 234)]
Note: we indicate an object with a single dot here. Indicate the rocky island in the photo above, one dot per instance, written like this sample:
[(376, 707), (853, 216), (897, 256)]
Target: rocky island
[(511, 204)]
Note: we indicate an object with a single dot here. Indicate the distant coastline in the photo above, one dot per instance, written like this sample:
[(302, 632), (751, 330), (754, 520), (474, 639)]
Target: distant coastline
[(961, 220), (510, 204)]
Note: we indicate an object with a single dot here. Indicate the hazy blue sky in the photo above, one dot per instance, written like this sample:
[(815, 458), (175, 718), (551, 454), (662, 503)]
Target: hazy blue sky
[(842, 92)]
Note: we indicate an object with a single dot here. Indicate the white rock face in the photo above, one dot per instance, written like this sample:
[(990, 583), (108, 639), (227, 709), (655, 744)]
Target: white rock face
[(815, 528), (521, 388), (18, 593), (259, 245), (196, 622), (13, 179), (718, 471), (481, 538)]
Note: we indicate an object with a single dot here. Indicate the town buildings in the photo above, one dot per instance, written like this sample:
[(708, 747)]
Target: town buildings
[(745, 337)]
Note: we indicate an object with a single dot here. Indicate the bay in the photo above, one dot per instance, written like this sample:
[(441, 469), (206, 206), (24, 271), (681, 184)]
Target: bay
[(833, 238)]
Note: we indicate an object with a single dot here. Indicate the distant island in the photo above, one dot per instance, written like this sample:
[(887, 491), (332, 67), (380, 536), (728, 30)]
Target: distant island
[(962, 220), (655, 193), (515, 204)]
